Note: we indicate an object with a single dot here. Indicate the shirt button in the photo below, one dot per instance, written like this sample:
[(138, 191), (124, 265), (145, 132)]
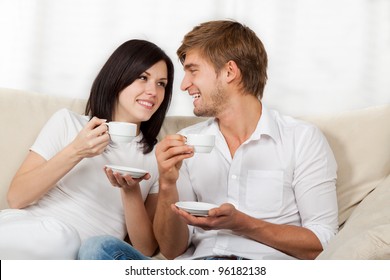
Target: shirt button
[(234, 177)]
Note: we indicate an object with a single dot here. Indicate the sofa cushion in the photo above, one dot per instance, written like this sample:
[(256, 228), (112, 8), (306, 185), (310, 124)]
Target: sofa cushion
[(366, 234)]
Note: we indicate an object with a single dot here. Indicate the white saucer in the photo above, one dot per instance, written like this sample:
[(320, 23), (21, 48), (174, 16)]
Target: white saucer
[(196, 208), (133, 172)]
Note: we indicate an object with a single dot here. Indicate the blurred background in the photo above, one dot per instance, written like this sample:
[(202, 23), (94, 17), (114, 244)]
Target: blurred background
[(325, 56)]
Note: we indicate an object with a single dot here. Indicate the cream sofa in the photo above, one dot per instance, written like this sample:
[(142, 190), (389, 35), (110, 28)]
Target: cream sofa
[(360, 141)]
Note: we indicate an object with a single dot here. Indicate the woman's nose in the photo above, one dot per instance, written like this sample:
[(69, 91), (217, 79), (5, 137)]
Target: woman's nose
[(151, 89)]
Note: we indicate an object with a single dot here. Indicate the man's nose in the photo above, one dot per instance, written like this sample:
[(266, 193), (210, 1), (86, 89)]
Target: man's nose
[(185, 83)]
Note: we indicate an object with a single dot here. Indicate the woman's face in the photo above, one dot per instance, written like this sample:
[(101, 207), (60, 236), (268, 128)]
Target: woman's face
[(140, 100)]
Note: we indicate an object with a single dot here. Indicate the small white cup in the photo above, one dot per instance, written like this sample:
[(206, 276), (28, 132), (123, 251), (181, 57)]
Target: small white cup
[(202, 143), (122, 132)]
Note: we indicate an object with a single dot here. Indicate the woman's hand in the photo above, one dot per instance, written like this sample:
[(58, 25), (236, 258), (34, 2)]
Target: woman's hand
[(92, 139), (126, 182)]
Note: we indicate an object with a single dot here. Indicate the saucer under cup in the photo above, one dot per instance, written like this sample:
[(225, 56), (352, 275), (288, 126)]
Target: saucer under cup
[(133, 172), (196, 208)]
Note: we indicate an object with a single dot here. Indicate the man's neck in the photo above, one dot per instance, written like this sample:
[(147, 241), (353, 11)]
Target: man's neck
[(238, 122)]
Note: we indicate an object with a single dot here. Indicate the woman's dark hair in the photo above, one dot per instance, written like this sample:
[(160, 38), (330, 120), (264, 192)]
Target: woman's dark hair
[(123, 67)]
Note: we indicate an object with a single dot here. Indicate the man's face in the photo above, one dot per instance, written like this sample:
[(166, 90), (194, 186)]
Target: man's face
[(203, 84)]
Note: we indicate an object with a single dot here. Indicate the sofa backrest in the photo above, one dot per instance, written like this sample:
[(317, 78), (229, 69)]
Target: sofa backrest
[(23, 114), (359, 139)]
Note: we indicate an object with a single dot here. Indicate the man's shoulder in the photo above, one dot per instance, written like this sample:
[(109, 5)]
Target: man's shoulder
[(289, 126), (291, 121)]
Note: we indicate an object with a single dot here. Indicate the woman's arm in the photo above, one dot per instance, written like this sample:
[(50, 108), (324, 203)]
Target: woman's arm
[(139, 222), (138, 215), (36, 176)]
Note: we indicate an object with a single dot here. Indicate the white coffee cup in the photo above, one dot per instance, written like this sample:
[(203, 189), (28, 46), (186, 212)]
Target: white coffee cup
[(122, 132), (202, 143)]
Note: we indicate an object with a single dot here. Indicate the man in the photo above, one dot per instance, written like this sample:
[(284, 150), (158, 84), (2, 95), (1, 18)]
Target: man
[(273, 177)]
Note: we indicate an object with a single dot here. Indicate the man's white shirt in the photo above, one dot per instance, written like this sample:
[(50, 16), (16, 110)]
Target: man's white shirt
[(285, 173)]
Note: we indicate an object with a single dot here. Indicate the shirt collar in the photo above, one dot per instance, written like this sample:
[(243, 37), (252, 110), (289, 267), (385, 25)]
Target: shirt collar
[(267, 125)]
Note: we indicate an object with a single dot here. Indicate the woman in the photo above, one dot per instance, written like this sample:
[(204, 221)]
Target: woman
[(60, 194)]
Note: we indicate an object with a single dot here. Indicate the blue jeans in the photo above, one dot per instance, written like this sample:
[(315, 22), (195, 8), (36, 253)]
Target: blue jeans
[(108, 248)]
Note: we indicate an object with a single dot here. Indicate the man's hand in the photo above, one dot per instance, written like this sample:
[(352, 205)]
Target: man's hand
[(225, 216), (170, 153)]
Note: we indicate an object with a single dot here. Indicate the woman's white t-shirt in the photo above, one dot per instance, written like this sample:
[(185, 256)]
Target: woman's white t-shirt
[(84, 198)]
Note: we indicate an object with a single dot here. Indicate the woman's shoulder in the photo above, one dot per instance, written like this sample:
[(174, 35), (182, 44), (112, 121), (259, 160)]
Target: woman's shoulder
[(66, 114), (70, 113)]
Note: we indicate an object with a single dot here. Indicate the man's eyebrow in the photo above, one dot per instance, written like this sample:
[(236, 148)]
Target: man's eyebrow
[(190, 65)]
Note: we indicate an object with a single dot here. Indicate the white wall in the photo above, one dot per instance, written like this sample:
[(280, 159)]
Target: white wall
[(324, 55)]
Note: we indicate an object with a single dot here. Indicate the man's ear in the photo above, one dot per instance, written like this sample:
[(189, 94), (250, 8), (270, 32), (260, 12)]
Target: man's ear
[(232, 71)]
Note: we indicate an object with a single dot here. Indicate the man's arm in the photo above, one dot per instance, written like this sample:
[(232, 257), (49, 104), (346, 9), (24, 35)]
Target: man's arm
[(170, 230), (295, 241)]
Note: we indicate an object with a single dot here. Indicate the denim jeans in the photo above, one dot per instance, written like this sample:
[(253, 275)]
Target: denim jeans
[(108, 248), (224, 258)]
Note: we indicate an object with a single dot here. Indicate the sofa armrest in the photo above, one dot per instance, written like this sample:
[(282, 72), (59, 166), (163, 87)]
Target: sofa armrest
[(366, 234)]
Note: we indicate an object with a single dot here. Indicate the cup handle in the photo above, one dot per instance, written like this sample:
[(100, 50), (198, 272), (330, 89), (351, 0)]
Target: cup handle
[(185, 136)]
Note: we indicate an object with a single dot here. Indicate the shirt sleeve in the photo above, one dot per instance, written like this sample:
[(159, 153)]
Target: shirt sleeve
[(315, 183), (154, 185), (52, 137)]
